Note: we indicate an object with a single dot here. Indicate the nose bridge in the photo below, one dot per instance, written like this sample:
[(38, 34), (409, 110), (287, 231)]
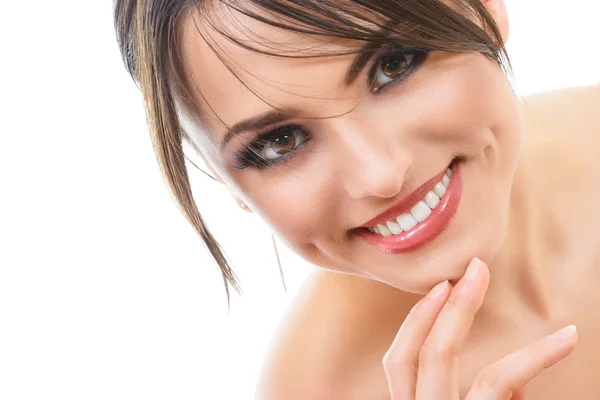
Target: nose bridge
[(374, 161)]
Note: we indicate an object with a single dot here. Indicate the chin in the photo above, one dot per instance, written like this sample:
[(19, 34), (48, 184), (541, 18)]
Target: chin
[(477, 229), (448, 262)]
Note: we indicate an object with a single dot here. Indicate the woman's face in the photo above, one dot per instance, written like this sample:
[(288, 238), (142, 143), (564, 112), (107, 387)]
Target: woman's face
[(350, 151)]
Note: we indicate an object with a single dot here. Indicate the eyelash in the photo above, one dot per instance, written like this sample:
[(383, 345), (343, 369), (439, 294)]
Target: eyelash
[(419, 57), (251, 156)]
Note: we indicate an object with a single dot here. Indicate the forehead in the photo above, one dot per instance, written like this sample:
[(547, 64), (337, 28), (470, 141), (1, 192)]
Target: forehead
[(229, 83)]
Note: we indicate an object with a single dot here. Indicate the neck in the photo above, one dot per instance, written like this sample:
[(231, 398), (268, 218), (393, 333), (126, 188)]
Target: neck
[(520, 278)]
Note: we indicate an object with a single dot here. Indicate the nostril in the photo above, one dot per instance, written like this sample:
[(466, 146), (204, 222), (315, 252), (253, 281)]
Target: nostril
[(382, 179), (375, 169)]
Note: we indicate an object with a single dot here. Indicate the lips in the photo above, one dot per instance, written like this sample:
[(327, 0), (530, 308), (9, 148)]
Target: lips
[(404, 206), (424, 231)]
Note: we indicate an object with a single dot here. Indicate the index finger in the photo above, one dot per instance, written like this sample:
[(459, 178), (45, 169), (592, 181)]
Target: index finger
[(438, 358), (401, 360)]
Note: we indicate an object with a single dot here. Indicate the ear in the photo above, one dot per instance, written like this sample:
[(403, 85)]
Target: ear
[(497, 9), (243, 205)]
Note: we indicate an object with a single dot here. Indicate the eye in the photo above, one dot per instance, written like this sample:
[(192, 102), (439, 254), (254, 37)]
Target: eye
[(391, 67), (272, 147), (282, 143), (395, 66)]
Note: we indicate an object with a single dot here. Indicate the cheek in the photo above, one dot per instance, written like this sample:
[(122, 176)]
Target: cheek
[(293, 207), (476, 114), (457, 104), (303, 209)]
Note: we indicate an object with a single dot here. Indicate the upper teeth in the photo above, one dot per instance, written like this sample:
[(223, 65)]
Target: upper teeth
[(418, 213)]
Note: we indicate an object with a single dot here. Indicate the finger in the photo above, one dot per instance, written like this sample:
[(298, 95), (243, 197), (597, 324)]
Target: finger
[(400, 361), (438, 369), (506, 377), (519, 394)]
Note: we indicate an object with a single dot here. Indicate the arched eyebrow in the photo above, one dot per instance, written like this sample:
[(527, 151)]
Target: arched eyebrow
[(272, 117)]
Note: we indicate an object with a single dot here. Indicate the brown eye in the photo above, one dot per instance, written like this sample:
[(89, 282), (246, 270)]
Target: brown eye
[(395, 66), (392, 67), (270, 148), (283, 142)]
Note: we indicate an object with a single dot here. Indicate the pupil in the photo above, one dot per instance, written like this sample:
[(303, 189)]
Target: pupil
[(393, 65), (284, 143)]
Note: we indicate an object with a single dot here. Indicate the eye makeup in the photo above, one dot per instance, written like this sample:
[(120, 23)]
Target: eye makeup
[(270, 148), (388, 60), (279, 144)]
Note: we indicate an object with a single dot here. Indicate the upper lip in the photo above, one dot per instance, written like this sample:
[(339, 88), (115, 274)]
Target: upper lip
[(404, 206)]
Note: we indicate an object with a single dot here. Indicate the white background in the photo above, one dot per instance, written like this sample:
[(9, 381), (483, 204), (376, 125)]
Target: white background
[(106, 292)]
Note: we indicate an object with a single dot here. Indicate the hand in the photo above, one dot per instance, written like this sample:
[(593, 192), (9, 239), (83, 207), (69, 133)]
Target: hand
[(422, 363)]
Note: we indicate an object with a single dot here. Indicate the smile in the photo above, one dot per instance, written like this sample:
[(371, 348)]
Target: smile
[(420, 217)]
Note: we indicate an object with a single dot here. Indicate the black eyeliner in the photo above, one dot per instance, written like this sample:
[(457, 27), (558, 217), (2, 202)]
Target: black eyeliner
[(419, 57), (373, 71), (249, 157)]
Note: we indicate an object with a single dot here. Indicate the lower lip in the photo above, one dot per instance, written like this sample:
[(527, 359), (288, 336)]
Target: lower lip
[(424, 231)]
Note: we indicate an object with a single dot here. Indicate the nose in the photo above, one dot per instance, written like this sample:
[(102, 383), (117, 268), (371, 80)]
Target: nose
[(374, 163)]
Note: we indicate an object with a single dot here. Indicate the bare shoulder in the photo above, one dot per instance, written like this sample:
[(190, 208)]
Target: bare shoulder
[(574, 99), (562, 128), (565, 114), (339, 326)]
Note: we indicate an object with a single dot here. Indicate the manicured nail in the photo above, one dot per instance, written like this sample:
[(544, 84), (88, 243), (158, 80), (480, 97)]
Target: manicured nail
[(438, 290), (473, 269), (566, 332)]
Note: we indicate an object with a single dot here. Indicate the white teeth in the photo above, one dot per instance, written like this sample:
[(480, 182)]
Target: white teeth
[(406, 221), (421, 211), (394, 227), (439, 189), (446, 180), (384, 230), (431, 199)]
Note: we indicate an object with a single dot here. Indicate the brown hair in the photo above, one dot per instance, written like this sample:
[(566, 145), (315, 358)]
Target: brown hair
[(148, 33)]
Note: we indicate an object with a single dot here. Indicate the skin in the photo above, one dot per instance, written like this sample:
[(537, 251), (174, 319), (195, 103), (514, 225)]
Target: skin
[(422, 362), (521, 211), (360, 164), (333, 340)]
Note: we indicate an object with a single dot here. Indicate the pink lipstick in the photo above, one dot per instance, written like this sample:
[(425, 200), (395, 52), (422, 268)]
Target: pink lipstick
[(425, 230)]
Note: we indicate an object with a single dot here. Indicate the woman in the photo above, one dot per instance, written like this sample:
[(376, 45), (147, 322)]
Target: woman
[(383, 142)]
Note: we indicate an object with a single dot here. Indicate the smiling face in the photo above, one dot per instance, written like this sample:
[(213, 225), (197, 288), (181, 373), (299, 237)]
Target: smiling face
[(342, 153)]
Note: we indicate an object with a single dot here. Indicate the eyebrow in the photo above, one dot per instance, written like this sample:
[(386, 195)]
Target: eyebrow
[(361, 60), (259, 122), (272, 117)]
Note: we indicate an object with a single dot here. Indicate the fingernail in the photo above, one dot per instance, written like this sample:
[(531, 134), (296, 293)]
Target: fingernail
[(566, 332), (438, 290), (473, 269)]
